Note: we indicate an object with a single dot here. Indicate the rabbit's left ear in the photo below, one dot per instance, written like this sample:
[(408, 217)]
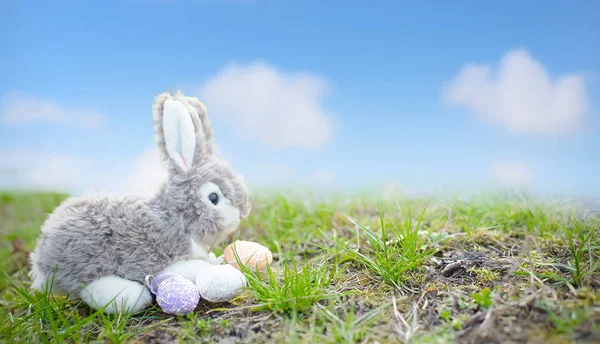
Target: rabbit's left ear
[(203, 127), (180, 137)]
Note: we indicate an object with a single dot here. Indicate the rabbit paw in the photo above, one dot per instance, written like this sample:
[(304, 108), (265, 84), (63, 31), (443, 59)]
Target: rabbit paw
[(212, 258), (116, 294), (220, 283)]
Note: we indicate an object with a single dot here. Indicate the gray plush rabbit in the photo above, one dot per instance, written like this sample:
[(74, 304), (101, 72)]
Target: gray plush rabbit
[(100, 248)]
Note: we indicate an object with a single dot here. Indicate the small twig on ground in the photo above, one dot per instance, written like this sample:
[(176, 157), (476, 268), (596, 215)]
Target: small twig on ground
[(403, 329), (534, 278), (452, 267), (484, 318)]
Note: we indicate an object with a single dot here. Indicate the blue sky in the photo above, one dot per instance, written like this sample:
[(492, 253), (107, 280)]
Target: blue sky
[(317, 93)]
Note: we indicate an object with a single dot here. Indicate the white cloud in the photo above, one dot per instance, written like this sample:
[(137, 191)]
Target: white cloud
[(391, 190), (147, 172), (38, 170), (24, 169), (520, 95), (276, 175), (269, 175), (324, 177), (512, 173), (27, 109), (271, 106)]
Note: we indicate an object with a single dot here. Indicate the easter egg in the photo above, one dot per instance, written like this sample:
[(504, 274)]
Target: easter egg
[(252, 255), (174, 294)]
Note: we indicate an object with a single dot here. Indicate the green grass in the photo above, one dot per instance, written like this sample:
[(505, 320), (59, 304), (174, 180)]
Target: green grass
[(348, 324), (293, 290), (483, 298), (38, 315), (584, 250), (530, 267), (397, 248)]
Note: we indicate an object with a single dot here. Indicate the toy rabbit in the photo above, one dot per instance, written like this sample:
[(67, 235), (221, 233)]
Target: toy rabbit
[(101, 248)]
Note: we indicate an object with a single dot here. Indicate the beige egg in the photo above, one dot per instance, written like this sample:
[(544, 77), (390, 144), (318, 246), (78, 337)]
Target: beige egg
[(251, 254)]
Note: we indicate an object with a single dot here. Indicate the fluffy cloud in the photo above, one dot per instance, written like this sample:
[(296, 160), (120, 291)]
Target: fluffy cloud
[(35, 170), (271, 106), (147, 173), (287, 176), (520, 95), (24, 169), (512, 173), (26, 109), (324, 177)]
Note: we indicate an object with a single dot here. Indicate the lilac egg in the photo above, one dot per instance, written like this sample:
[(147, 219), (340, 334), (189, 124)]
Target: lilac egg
[(174, 294)]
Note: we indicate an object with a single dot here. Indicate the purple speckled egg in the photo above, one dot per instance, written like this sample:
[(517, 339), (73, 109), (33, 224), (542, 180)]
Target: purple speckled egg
[(174, 294)]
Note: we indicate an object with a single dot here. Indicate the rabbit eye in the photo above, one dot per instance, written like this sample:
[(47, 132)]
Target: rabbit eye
[(213, 198)]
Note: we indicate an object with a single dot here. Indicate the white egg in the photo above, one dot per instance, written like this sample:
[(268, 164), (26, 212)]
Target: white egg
[(220, 283)]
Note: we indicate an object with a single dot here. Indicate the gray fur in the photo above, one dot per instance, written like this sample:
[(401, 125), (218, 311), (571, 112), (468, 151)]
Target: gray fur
[(87, 238)]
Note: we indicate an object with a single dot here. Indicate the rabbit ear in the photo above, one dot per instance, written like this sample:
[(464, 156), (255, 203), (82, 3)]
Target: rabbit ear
[(176, 137), (180, 138), (202, 123)]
